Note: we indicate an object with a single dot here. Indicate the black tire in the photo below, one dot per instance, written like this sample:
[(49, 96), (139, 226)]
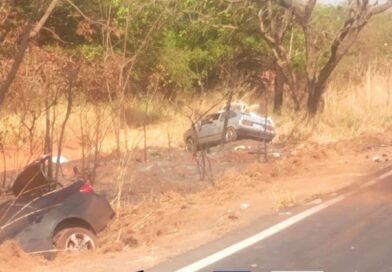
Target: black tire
[(75, 239), (231, 135), (189, 144)]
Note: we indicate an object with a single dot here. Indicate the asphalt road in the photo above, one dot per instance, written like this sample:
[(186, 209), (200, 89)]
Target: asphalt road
[(351, 234)]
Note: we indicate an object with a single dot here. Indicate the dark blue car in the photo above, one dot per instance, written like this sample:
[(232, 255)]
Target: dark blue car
[(44, 217)]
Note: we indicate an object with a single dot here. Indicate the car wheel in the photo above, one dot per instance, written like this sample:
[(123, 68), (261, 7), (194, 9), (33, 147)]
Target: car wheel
[(190, 144), (75, 239), (231, 134)]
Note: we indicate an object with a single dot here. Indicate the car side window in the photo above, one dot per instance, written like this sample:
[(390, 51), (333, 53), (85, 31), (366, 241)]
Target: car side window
[(215, 116), (209, 118), (232, 114)]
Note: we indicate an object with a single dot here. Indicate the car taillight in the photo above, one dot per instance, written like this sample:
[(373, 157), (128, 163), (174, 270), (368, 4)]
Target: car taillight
[(270, 128), (247, 123), (86, 188)]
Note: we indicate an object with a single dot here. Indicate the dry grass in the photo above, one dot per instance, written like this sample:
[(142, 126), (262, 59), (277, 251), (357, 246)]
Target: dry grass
[(281, 198), (351, 108)]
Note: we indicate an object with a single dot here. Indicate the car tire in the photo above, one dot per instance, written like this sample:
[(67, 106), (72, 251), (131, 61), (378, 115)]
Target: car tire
[(75, 239), (189, 144), (231, 135)]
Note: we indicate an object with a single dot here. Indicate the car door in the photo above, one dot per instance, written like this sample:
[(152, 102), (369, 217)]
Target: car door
[(208, 129), (219, 124), (216, 136)]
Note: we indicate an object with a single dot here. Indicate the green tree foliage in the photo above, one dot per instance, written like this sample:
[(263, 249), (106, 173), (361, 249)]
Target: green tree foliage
[(191, 44)]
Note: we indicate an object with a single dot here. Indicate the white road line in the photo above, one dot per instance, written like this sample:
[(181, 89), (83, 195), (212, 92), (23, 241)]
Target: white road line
[(215, 257)]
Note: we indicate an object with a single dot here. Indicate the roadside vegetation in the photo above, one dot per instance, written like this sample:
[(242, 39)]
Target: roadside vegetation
[(119, 65), (87, 79), (110, 77), (113, 83)]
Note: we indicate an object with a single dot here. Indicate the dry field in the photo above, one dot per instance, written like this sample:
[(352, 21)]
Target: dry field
[(156, 190)]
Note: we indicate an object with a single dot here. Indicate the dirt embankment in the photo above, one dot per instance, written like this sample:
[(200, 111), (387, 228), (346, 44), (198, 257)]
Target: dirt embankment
[(246, 190), (12, 258), (278, 182)]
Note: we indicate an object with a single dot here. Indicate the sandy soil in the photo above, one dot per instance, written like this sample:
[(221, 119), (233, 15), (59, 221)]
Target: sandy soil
[(12, 258), (163, 201)]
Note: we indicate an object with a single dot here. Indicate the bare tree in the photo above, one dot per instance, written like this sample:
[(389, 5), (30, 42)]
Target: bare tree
[(359, 14), (71, 74), (31, 31), (274, 24), (275, 16), (199, 152), (226, 120)]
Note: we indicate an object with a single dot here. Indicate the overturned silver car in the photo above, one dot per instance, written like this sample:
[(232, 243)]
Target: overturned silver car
[(241, 125)]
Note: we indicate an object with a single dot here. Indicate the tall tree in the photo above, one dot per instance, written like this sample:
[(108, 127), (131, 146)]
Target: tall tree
[(33, 29), (320, 61)]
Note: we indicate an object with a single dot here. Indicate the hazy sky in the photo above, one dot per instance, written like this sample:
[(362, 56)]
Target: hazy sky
[(342, 1), (331, 1)]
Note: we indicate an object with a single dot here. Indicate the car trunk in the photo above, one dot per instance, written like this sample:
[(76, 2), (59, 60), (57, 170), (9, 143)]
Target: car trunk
[(32, 180)]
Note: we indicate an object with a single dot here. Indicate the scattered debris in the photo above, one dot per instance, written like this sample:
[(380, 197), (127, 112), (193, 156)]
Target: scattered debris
[(276, 155), (245, 205), (61, 161), (232, 217), (285, 213), (242, 147), (315, 201)]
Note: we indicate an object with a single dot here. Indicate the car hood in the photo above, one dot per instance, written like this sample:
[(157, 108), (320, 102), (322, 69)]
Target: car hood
[(31, 179)]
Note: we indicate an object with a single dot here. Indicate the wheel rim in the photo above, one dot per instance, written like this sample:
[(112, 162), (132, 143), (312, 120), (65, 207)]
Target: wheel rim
[(189, 145), (229, 135), (79, 242)]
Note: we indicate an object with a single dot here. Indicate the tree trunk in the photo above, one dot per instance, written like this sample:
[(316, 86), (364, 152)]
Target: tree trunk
[(48, 141), (226, 120), (278, 92), (6, 84), (71, 80), (315, 95), (31, 33)]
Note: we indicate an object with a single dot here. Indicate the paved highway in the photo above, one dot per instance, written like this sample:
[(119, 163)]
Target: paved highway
[(351, 232)]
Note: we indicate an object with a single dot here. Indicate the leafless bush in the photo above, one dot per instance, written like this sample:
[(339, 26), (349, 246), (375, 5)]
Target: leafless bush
[(199, 152), (71, 71), (94, 125)]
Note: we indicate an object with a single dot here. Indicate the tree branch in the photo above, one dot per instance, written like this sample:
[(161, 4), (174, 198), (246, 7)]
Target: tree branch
[(83, 14), (43, 19), (30, 33), (376, 9)]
